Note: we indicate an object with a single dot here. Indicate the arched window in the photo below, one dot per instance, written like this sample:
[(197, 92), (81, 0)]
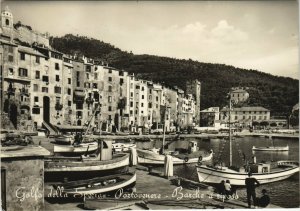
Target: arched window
[(7, 22)]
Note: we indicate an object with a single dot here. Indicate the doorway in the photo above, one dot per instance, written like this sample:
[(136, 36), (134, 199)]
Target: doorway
[(46, 109)]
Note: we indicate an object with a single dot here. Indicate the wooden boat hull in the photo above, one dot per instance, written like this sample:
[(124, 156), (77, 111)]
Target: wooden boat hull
[(122, 147), (270, 148), (215, 176), (119, 160), (130, 180), (148, 157), (64, 139), (80, 149)]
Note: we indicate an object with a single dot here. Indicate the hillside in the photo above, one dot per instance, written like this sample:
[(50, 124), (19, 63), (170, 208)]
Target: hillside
[(279, 94)]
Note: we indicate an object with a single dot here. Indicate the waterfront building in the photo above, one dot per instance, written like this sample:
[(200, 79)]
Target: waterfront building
[(193, 87), (41, 87), (245, 116), (210, 116)]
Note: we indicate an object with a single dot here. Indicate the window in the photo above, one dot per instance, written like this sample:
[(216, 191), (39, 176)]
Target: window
[(79, 105), (150, 91), (35, 110), (150, 97), (37, 59), (57, 90), (87, 76), (95, 85), (45, 89), (121, 81), (69, 103), (37, 74), (57, 77), (69, 91), (10, 58), (131, 85), (78, 84), (23, 72), (131, 112), (142, 104), (35, 88), (78, 114), (110, 71), (156, 98), (22, 56), (36, 99), (244, 117), (110, 88), (131, 94), (96, 76), (109, 117), (142, 96), (109, 108), (10, 71), (265, 118), (143, 88), (109, 79), (109, 99), (88, 68), (56, 66), (121, 73), (131, 104), (7, 22), (45, 78), (150, 105), (69, 80)]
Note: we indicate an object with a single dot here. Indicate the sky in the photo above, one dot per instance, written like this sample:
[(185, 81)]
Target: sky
[(260, 35)]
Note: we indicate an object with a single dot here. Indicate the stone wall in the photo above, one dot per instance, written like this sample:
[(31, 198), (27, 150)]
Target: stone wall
[(24, 184)]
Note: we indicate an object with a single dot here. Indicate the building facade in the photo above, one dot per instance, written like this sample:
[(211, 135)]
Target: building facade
[(41, 87)]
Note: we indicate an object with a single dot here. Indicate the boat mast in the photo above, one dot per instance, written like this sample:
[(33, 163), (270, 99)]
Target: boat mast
[(164, 131), (230, 142)]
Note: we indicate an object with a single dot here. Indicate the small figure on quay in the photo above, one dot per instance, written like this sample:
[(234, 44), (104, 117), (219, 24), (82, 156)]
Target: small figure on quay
[(263, 201), (228, 190), (251, 184), (222, 187)]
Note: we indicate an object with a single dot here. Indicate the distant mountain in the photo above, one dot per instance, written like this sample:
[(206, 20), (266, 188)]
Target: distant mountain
[(279, 94)]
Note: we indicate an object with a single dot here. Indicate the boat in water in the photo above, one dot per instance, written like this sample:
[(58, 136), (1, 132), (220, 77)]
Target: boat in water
[(64, 139), (271, 148), (82, 165), (263, 172), (153, 156), (106, 184), (123, 147), (76, 149)]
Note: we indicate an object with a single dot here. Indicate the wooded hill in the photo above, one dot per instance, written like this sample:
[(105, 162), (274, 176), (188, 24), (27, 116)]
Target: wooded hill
[(279, 94)]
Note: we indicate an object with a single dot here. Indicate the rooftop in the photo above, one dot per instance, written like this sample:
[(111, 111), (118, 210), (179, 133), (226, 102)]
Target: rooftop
[(30, 51), (255, 108)]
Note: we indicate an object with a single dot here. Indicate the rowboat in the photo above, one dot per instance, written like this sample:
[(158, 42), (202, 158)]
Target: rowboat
[(270, 148), (99, 185), (262, 172), (76, 149), (64, 139), (154, 157), (118, 160)]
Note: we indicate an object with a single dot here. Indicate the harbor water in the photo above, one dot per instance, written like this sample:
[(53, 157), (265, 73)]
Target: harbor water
[(283, 193)]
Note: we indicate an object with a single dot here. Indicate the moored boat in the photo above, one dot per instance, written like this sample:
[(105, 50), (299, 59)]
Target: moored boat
[(118, 160), (76, 149), (271, 148), (153, 156), (99, 185), (264, 173), (64, 139)]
